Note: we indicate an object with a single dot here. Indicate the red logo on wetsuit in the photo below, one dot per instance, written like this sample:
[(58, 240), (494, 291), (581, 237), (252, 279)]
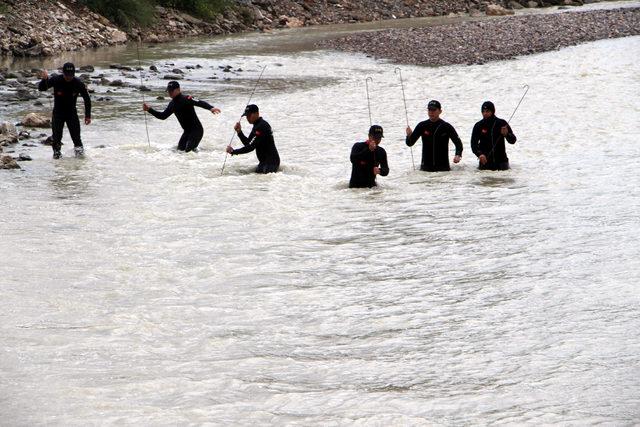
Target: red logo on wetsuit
[(362, 162), (258, 133), (426, 132), (485, 130)]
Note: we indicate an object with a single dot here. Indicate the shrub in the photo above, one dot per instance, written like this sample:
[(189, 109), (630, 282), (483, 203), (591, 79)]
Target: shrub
[(124, 13)]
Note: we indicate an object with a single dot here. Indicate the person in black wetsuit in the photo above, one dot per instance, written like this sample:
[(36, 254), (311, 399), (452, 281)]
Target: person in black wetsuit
[(435, 134), (487, 139), (66, 89), (182, 106), (368, 160), (260, 139)]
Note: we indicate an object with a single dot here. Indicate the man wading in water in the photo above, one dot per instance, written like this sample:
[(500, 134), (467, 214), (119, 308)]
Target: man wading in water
[(260, 139), (182, 106), (66, 89), (368, 160), (435, 134), (487, 139)]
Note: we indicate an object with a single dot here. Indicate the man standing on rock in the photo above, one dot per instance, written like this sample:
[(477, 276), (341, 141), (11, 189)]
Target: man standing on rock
[(182, 106), (487, 139), (435, 134), (66, 89), (368, 160), (260, 139)]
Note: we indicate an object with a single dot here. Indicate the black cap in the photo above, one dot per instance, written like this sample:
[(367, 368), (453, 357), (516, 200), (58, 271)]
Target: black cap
[(69, 69), (251, 108), (173, 85), (376, 130), (434, 105), (488, 105)]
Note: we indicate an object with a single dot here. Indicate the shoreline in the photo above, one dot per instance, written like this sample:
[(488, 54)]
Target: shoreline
[(68, 26), (503, 38)]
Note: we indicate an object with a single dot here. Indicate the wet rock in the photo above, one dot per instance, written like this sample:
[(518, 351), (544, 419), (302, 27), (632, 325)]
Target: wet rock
[(172, 77), (177, 71), (25, 95), (160, 98), (47, 141), (144, 89), (8, 162), (24, 135), (153, 68), (532, 4), (497, 10), (29, 145), (104, 99), (22, 157), (117, 83), (36, 120), (38, 104), (8, 134), (87, 68)]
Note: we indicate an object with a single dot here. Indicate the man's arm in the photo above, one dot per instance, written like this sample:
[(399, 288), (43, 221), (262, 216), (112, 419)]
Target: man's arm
[(87, 100), (165, 114), (360, 152), (510, 137), (45, 82), (413, 138), (384, 166), (475, 141), (456, 140)]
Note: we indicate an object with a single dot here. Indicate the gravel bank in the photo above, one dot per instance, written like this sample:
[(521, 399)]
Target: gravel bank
[(477, 42)]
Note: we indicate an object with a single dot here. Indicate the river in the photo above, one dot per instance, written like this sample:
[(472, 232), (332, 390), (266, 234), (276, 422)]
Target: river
[(141, 286)]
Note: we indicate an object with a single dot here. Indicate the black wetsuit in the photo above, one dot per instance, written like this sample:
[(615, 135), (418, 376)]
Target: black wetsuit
[(65, 95), (363, 161), (261, 140), (182, 106), (487, 139), (435, 144)]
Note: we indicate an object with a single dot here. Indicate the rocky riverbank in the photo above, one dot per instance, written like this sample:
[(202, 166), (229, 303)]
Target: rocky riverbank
[(47, 27), (477, 42)]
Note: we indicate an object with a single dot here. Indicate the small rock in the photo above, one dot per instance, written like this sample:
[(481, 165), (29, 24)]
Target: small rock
[(24, 157), (160, 98), (153, 68), (144, 89), (7, 162), (87, 68), (38, 104), (24, 135), (172, 77), (177, 71), (116, 83)]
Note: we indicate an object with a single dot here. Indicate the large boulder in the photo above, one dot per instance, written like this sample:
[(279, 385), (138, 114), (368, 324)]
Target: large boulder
[(37, 120), (497, 10)]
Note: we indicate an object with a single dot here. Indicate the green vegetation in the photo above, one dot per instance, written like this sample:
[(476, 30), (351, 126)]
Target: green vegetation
[(129, 13), (4, 8), (205, 9)]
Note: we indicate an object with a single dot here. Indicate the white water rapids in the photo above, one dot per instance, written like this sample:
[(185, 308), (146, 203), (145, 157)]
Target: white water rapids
[(139, 286)]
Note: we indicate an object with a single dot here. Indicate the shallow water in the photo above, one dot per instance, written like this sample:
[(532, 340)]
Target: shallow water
[(141, 286)]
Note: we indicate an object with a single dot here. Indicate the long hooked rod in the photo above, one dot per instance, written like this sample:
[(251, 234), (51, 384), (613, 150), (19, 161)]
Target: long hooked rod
[(248, 102), (366, 82), (526, 87), (406, 111), (142, 91)]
